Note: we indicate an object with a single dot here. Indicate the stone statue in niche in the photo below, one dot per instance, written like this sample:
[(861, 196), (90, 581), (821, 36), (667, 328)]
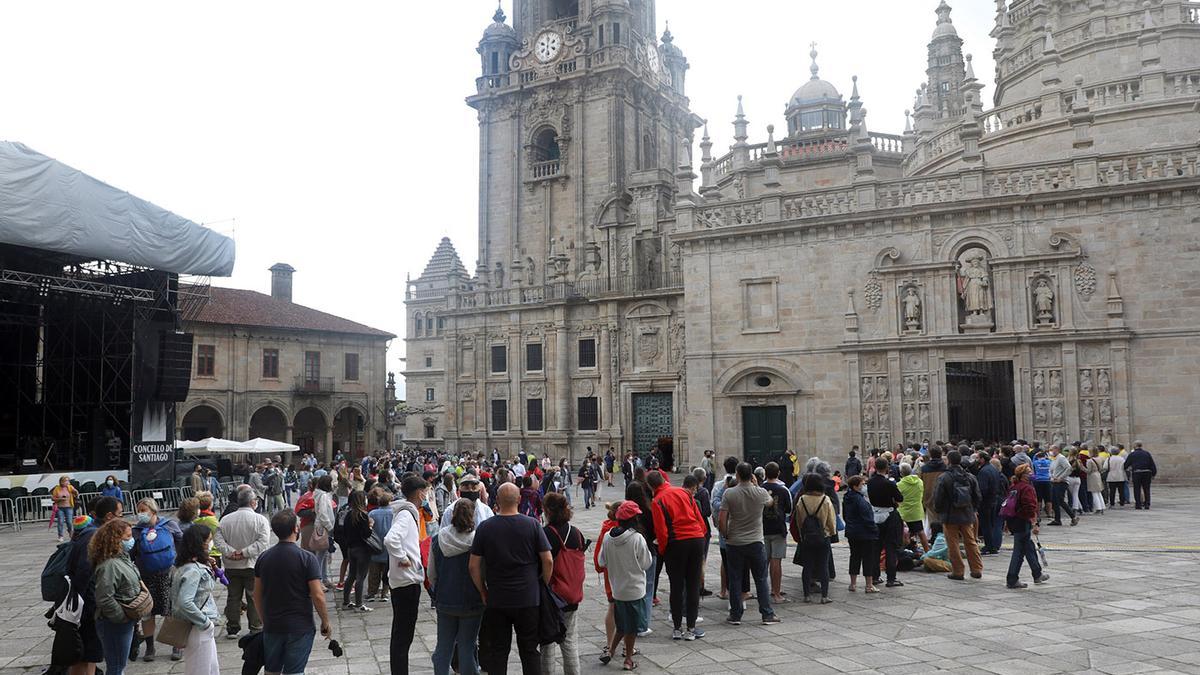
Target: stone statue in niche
[(1085, 383), (1056, 413), (923, 387), (925, 416), (1039, 414), (908, 387), (498, 275), (975, 287), (867, 388), (1103, 383), (1106, 412), (1055, 383), (912, 310), (1087, 412), (910, 416), (1043, 301), (881, 388), (884, 421), (1039, 383), (868, 417), (1106, 437)]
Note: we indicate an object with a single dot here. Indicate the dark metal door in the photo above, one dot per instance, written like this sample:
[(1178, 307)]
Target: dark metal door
[(980, 401), (653, 418), (764, 433)]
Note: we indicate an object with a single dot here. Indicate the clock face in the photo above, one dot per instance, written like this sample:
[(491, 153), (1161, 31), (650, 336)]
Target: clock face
[(652, 58), (547, 46)]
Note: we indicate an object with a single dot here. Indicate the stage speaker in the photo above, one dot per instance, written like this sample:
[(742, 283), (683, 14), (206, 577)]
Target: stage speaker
[(174, 366)]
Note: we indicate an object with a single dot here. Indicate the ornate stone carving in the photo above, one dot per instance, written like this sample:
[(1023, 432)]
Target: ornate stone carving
[(881, 388), (868, 387), (1086, 387), (910, 300), (1085, 280), (649, 343), (1043, 301), (923, 387), (1106, 413), (924, 416), (534, 390), (586, 388), (1039, 383), (678, 342), (975, 287), (497, 390), (1087, 414), (1103, 382), (909, 387), (1055, 383), (1056, 413), (873, 292), (466, 392)]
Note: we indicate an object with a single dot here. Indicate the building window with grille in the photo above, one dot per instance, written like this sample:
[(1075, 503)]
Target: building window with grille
[(499, 415), (533, 358), (430, 431), (430, 395), (587, 353), (499, 359), (312, 367), (533, 415), (206, 360), (352, 367), (589, 413), (270, 365), (428, 361)]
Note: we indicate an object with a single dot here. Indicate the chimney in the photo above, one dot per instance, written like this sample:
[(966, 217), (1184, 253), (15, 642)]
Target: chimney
[(281, 281)]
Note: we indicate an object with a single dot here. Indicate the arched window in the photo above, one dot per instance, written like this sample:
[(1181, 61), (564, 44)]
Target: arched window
[(441, 324), (563, 9), (417, 324), (649, 153), (428, 325), (545, 146)]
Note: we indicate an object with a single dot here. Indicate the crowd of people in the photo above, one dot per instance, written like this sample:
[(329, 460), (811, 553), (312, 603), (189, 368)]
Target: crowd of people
[(490, 542)]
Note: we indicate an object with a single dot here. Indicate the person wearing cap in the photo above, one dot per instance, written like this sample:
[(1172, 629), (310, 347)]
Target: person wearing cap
[(470, 488), (1023, 525), (626, 557)]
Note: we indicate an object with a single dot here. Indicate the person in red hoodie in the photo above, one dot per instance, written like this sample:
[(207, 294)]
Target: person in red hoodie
[(1020, 513), (610, 625), (680, 532)]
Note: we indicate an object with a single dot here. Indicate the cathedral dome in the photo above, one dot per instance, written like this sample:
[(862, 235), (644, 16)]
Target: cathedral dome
[(816, 90), (499, 29), (945, 27)]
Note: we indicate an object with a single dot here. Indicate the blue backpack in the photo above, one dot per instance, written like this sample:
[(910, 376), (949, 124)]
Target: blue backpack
[(155, 547)]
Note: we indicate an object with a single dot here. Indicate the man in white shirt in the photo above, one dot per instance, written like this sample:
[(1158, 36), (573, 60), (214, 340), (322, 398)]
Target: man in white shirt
[(470, 488), (241, 537), (518, 470), (405, 572)]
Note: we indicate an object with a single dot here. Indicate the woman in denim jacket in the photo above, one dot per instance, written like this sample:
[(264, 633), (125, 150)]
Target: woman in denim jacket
[(192, 601)]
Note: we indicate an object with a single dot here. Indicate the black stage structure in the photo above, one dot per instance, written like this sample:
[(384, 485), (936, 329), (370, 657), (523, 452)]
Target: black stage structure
[(95, 285)]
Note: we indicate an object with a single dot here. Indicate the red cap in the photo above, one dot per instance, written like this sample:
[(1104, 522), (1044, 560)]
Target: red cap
[(628, 510)]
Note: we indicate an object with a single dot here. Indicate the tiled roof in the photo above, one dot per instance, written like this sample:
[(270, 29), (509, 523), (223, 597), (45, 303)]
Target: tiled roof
[(237, 307), (445, 259)]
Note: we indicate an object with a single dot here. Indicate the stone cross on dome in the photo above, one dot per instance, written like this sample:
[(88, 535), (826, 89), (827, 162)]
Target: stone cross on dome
[(814, 69)]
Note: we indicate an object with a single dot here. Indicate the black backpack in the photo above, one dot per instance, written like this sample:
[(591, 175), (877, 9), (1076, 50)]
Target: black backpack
[(811, 531), (54, 574), (960, 495)]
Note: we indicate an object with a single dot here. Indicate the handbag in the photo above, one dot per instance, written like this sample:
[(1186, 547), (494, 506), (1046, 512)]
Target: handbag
[(1041, 552), (174, 632), (140, 606), (375, 542), (319, 541)]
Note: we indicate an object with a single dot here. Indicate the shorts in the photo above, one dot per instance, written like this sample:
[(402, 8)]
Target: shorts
[(629, 615), (776, 546), (915, 528), (287, 653), (1042, 488)]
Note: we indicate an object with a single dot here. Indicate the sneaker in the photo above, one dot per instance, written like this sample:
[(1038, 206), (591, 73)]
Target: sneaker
[(60, 540), (1056, 523), (694, 634), (231, 634), (340, 586), (894, 584), (677, 634), (1074, 521), (770, 620), (733, 622), (826, 600), (363, 608), (704, 592), (1017, 586), (1042, 579), (644, 633), (348, 606), (176, 654)]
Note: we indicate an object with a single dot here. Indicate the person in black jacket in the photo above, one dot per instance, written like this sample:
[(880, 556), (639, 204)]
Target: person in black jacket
[(862, 534), (885, 497), (354, 534), (1140, 468), (854, 465), (992, 489), (79, 569)]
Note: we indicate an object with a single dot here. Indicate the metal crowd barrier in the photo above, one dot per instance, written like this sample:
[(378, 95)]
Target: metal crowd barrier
[(168, 498), (8, 514), (34, 508)]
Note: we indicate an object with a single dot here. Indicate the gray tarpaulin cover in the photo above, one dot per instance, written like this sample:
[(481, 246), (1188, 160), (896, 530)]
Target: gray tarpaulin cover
[(46, 204)]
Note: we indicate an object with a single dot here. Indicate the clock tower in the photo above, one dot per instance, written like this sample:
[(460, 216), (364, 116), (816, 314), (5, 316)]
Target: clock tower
[(582, 117)]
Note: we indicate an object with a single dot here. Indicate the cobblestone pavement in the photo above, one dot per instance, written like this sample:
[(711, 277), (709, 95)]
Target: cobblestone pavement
[(1122, 599)]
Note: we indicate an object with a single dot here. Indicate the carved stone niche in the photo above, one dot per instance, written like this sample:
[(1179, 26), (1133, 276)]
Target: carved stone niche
[(910, 305), (1043, 299)]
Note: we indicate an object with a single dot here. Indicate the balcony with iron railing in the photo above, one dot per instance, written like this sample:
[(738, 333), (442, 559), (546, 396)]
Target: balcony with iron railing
[(313, 386), (568, 291)]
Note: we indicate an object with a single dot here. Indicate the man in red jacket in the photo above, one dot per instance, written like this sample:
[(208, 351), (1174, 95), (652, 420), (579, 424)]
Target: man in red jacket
[(680, 532)]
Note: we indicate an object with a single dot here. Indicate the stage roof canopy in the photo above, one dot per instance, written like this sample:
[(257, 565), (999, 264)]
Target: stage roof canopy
[(45, 204)]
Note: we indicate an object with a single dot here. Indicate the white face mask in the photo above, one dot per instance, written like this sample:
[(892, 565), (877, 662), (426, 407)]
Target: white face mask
[(862, 489)]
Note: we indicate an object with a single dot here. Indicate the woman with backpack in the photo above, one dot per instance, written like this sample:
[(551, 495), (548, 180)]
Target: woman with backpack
[(116, 582), (567, 547), (154, 554), (1020, 514), (814, 524), (354, 531), (862, 533), (459, 606), (192, 601)]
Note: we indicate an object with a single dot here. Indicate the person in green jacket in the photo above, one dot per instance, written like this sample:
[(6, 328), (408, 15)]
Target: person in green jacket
[(116, 581), (912, 512)]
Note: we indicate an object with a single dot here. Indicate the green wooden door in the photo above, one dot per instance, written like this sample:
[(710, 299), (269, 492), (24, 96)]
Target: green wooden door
[(764, 433)]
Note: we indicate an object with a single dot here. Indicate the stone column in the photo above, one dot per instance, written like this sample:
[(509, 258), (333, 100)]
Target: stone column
[(607, 377), (562, 380), (289, 434), (329, 442)]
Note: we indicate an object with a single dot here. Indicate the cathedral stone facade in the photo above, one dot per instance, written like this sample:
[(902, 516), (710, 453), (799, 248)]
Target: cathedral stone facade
[(1024, 270)]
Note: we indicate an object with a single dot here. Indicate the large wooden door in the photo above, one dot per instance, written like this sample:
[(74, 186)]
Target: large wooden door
[(764, 434)]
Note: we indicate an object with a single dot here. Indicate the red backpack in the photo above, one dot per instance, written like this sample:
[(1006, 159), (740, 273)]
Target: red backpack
[(567, 579)]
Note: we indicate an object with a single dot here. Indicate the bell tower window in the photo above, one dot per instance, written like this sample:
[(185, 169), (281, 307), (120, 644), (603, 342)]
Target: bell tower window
[(546, 155), (495, 63), (563, 9), (616, 33)]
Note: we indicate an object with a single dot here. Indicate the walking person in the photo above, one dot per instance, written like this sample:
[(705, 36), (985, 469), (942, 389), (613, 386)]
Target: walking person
[(957, 498), (625, 557), (192, 601), (1115, 465), (1060, 471), (814, 525), (459, 606), (741, 521), (406, 572), (241, 537), (567, 548), (153, 552), (288, 590), (65, 497), (509, 555), (1020, 514), (356, 531), (862, 533), (116, 582), (1140, 467), (680, 533)]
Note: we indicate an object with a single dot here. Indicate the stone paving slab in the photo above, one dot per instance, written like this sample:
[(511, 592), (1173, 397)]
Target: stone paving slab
[(1118, 603)]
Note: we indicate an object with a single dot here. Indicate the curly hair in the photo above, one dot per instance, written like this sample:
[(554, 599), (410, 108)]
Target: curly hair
[(558, 511), (106, 543)]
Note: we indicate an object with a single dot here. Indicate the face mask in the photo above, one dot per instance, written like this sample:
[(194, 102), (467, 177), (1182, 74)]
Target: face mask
[(110, 483), (143, 517), (862, 489), (473, 496), (127, 544)]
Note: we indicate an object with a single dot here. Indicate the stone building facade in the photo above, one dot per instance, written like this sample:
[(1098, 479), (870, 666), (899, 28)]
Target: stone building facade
[(1024, 270), (265, 366)]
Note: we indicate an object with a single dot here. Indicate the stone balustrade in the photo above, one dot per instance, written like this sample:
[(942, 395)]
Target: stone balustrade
[(469, 297)]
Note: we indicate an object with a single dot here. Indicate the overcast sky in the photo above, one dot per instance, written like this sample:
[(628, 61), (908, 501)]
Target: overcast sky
[(333, 135)]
